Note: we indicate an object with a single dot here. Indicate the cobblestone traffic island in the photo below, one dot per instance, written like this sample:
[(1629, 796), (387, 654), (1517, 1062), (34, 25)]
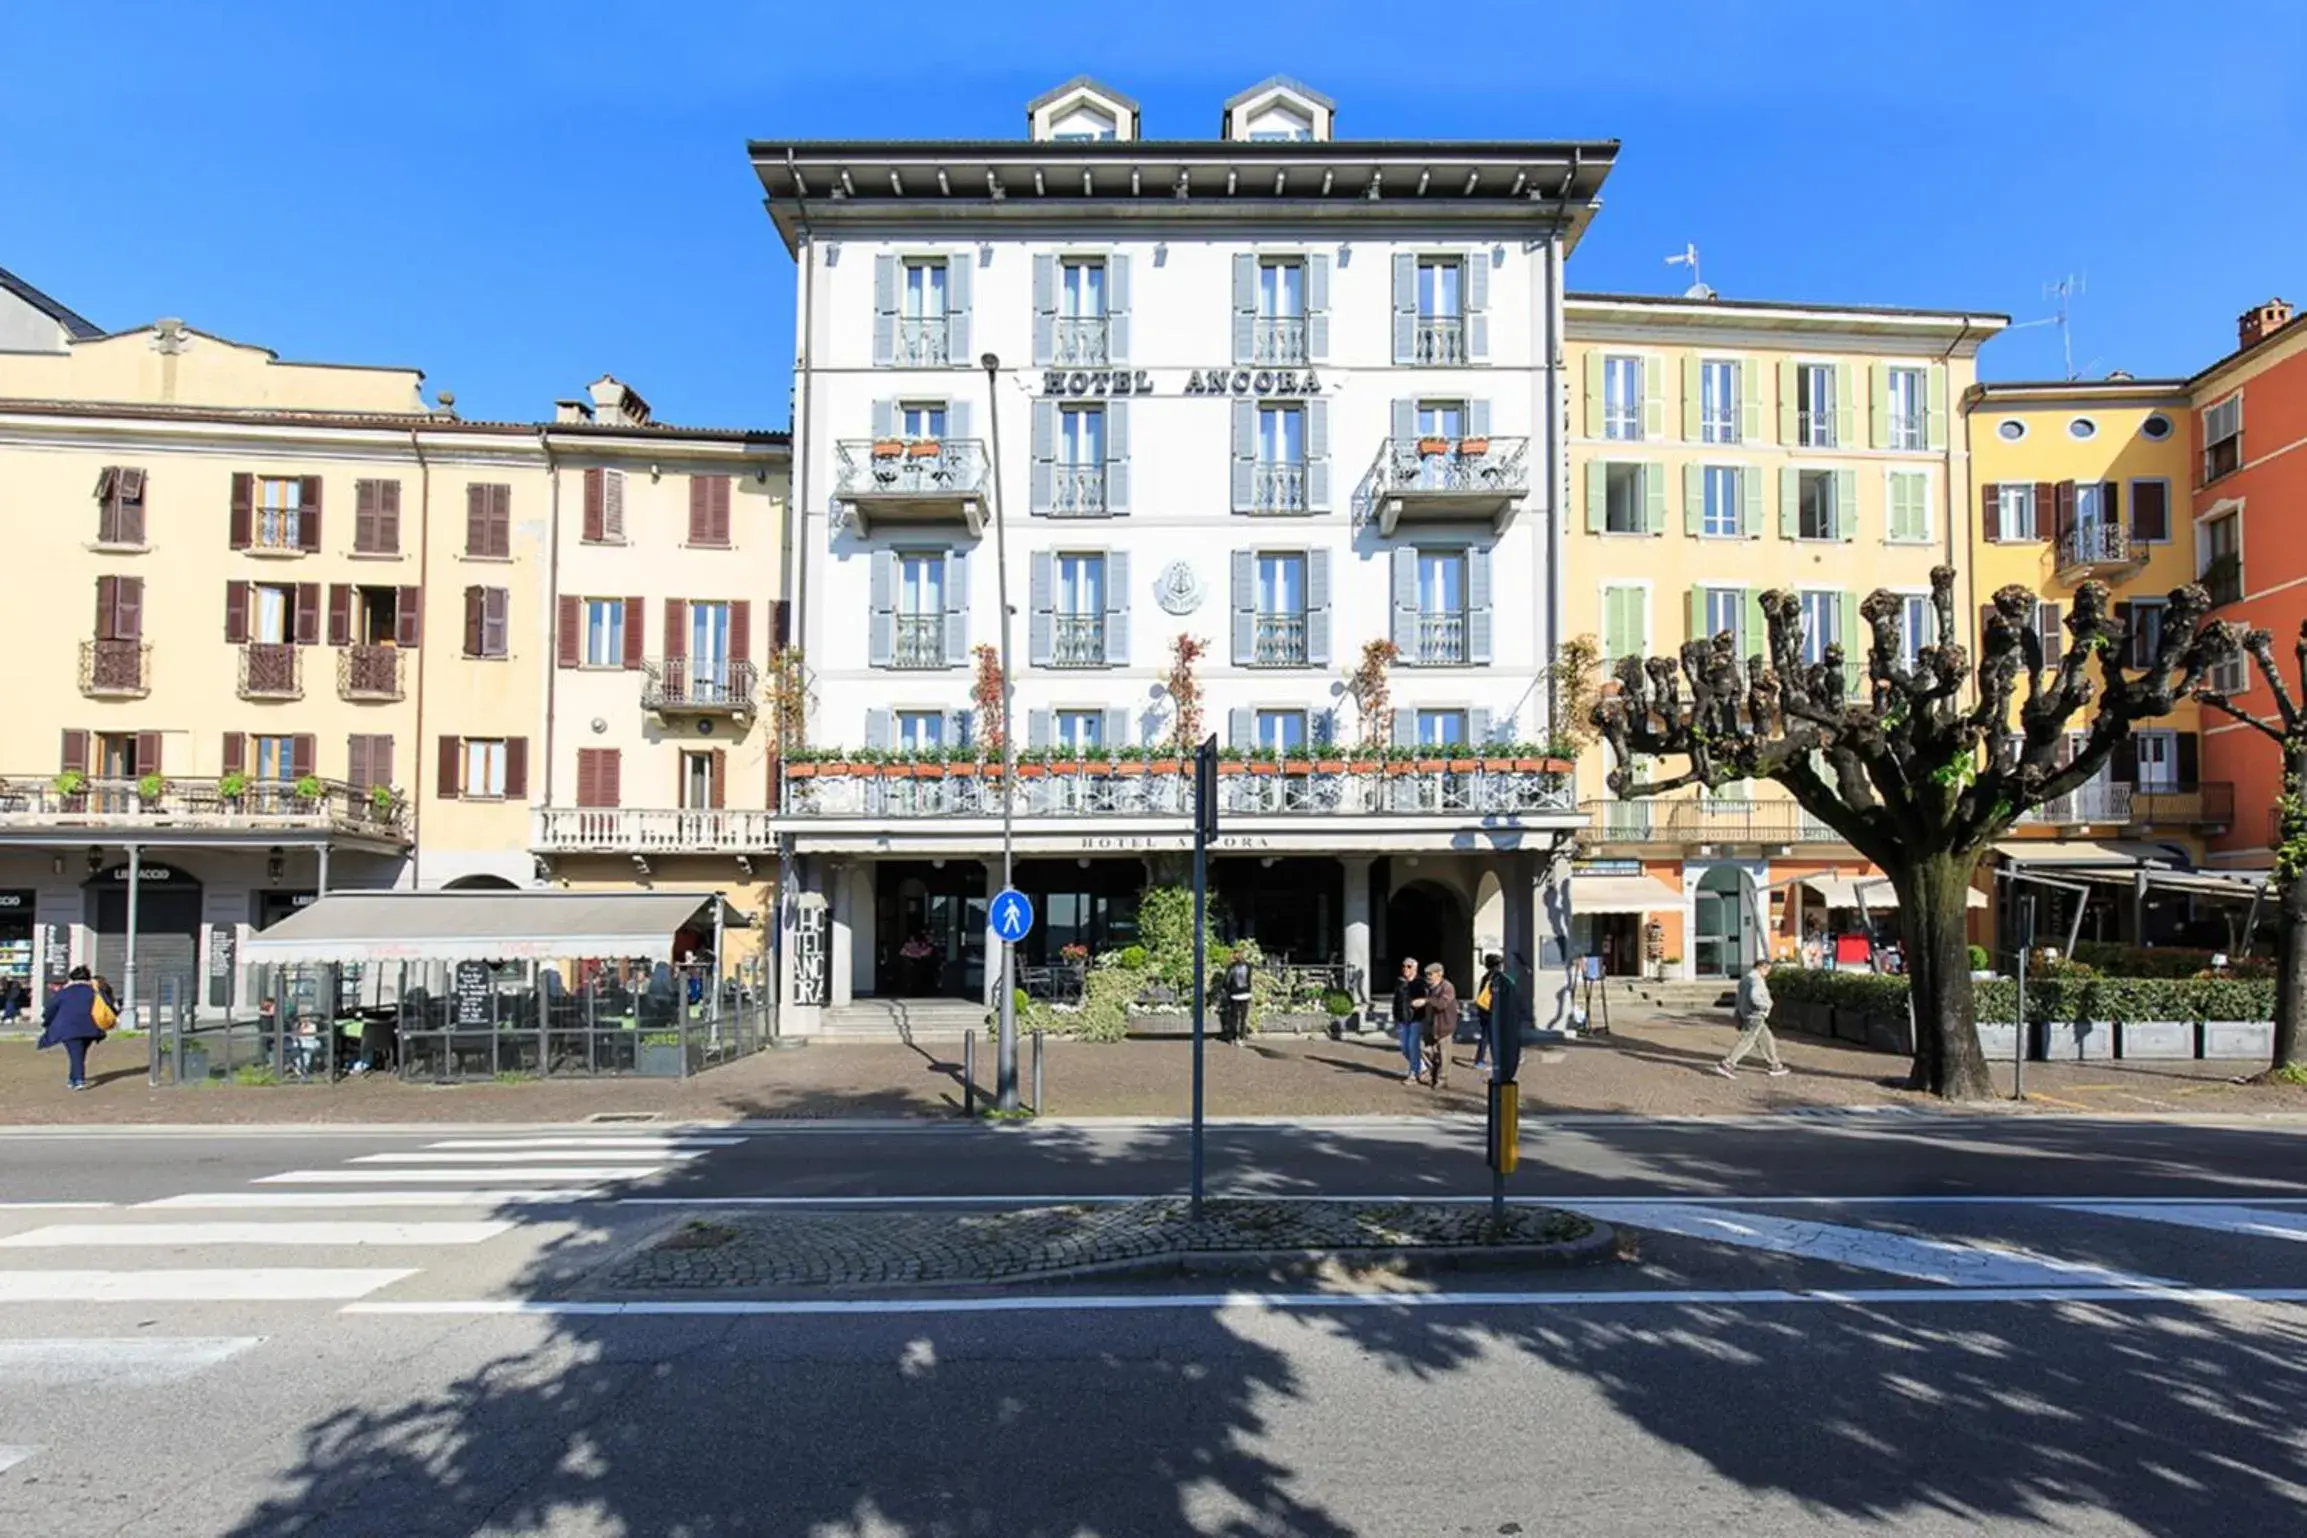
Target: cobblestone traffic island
[(878, 1249)]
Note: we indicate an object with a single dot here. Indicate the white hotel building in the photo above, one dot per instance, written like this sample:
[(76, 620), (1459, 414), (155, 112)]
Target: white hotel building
[(1282, 393)]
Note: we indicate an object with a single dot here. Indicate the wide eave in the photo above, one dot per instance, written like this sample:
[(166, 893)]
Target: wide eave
[(814, 184)]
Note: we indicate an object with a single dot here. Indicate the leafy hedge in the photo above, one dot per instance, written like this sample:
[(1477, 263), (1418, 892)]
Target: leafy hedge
[(2113, 959), (2105, 999)]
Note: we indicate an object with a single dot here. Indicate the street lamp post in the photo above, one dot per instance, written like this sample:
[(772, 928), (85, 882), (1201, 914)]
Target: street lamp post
[(1005, 1042)]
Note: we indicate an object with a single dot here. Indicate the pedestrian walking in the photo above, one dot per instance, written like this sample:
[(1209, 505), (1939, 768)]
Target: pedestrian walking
[(1409, 1018), (1441, 1022), (77, 1015), (1492, 1005), (1753, 1011), (1236, 986)]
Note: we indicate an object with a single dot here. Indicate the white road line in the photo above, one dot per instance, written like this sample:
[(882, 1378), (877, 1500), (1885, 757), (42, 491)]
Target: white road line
[(259, 1200), (2258, 1222), (277, 1284), (114, 1361), (638, 1155), (604, 1144), (1929, 1260), (1318, 1302), (58, 1236), (1427, 1198), (11, 1456), (53, 1206), (572, 1173)]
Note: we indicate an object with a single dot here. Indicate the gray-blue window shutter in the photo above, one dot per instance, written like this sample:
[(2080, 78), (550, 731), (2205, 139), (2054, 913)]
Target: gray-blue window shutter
[(1041, 485), (884, 311), (1041, 605), (1245, 602), (956, 608), (1318, 455), (1117, 456), (1117, 732), (1318, 607), (1117, 309), (1325, 727), (1242, 729), (1478, 306), (1405, 308), (1317, 309), (1405, 421), (877, 729), (885, 419), (1045, 308), (957, 728), (1245, 455), (960, 422), (1037, 733), (1406, 602), (1405, 727), (1478, 728), (957, 285), (1478, 419), (1117, 609), (1245, 306), (1478, 607), (881, 629)]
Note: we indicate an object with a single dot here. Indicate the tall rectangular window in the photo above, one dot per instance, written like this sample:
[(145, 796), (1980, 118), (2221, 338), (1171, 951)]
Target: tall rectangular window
[(1816, 513), (2017, 519), (708, 648), (698, 792), (1279, 483), (922, 419), (1918, 626), (1625, 622), (1079, 600), (1441, 606), (2146, 630), (1078, 478), (1907, 395), (484, 776), (1080, 731), (275, 758), (1622, 398), (1624, 509), (1910, 514), (920, 731), (2158, 761), (1814, 405), (1081, 339), (1281, 731), (604, 632), (1718, 401), (278, 502), (1443, 729), (1441, 311), (1279, 335), (272, 614), (919, 636), (1821, 623), (1720, 514), (1280, 639), (921, 327), (2223, 437), (1724, 609)]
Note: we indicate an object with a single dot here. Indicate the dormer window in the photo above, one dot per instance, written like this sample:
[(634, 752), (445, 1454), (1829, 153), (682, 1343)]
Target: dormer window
[(1082, 111), (1279, 110), (1281, 122), (1084, 123)]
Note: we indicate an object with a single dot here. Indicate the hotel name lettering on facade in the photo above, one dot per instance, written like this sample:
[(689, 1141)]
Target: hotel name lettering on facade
[(1266, 382)]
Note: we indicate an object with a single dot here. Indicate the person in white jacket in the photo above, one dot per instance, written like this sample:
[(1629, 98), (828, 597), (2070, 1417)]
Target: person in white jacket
[(1753, 1012)]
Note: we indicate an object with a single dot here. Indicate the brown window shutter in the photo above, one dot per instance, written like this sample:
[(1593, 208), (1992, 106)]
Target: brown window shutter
[(340, 614), (409, 617), (500, 520), (476, 520), (588, 777), (235, 613), (516, 768), (364, 500), (2190, 762), (676, 629), (2124, 765), (308, 614), (2054, 634), (452, 767), (741, 631), (235, 753), (700, 511), (720, 774), (2047, 511), (2064, 524), (2111, 504), (300, 755), (380, 759), (723, 487), (1991, 514), (356, 761), (388, 518), (473, 622), (308, 513), (130, 500), (2126, 618), (128, 609), (611, 784), (147, 753), (596, 506), (569, 625), (75, 752), (780, 624), (107, 608), (2150, 510), (243, 505), (496, 627), (636, 617)]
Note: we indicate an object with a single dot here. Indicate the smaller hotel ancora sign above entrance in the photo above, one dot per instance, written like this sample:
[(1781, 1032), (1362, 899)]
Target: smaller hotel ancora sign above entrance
[(1266, 382)]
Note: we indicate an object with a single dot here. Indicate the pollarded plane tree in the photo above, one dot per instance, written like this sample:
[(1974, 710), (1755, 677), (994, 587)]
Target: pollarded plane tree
[(1927, 764)]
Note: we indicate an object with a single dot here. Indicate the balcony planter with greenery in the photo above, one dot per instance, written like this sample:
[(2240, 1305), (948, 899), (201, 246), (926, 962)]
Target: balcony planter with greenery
[(152, 787), (800, 769), (1464, 765), (888, 448), (926, 448), (1431, 447), (1473, 448), (72, 782), (1261, 766), (232, 786), (309, 788), (383, 802)]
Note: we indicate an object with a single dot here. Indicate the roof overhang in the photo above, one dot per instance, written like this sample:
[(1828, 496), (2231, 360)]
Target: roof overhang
[(2122, 854), (487, 926), (2077, 392), (814, 186), (1953, 333)]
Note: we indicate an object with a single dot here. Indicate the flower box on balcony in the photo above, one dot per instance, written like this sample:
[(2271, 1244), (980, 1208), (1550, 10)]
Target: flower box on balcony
[(927, 448), (1298, 766), (1463, 765), (1329, 766), (1128, 768), (1473, 448), (964, 771), (1231, 766), (1429, 447), (1265, 766), (1431, 765), (801, 771), (888, 448), (1161, 766)]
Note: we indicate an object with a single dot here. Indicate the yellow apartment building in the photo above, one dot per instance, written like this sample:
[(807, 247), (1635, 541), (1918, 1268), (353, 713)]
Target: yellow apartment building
[(2082, 479), (286, 627), (1721, 448)]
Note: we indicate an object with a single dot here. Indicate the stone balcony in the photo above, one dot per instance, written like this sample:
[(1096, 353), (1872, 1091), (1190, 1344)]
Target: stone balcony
[(1446, 480), (643, 831), (915, 481), (230, 809)]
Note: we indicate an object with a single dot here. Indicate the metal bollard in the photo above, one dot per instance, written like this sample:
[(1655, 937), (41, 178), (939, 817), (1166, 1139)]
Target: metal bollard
[(1037, 1105), (969, 1073)]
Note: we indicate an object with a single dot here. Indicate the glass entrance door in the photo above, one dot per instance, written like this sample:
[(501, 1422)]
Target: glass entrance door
[(1719, 928)]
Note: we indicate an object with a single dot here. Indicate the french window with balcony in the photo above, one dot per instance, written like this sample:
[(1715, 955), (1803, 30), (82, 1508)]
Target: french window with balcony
[(1079, 732), (1721, 502), (1818, 511), (1815, 405), (1441, 335), (279, 501), (918, 616), (1077, 619), (1080, 488), (1821, 611), (920, 731), (120, 508), (2223, 438), (1281, 462), (1625, 503), (273, 758), (1280, 332), (1719, 401), (1918, 626), (1717, 610), (704, 779), (922, 332), (1281, 610), (1281, 732), (1622, 398), (1081, 313), (1441, 607), (1443, 729), (1906, 398)]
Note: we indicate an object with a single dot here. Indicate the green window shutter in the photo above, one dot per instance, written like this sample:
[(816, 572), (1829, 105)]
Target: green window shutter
[(1854, 645), (1878, 404), (1936, 430), (1653, 399), (1846, 504), (1693, 499), (1613, 623), (1909, 514), (1750, 501), (1845, 406), (1637, 620), (1654, 497), (1756, 640), (1787, 393), (1597, 496), (1789, 502), (1749, 401), (1693, 396), (1594, 395)]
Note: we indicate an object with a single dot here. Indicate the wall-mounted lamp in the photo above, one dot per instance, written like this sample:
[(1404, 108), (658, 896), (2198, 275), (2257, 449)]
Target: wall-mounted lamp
[(95, 859), (275, 864), (57, 865)]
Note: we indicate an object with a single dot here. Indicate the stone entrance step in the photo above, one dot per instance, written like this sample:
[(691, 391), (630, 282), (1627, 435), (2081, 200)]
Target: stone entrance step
[(903, 1019)]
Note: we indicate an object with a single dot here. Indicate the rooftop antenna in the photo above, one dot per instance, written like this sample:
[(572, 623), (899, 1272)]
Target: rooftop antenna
[(1689, 258), (2062, 295)]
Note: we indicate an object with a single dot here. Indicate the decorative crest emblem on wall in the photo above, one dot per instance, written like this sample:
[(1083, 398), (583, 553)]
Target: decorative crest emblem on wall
[(1177, 589)]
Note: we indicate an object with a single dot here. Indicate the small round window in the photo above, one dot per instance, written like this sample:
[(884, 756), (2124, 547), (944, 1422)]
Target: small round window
[(2011, 429), (2157, 427), (2082, 427)]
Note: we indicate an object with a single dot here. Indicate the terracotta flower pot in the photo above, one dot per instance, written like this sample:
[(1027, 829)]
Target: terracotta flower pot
[(1231, 766), (1130, 769), (1330, 766), (1432, 765), (927, 448), (1264, 767), (1462, 766), (1298, 766), (1433, 446), (1161, 766), (1473, 448), (888, 448), (801, 771), (962, 771)]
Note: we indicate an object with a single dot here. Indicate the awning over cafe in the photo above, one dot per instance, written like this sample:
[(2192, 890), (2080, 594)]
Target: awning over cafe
[(2119, 853), (488, 926), (1622, 894), (1880, 896)]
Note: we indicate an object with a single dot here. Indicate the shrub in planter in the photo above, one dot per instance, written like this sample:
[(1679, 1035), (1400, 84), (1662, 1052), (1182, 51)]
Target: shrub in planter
[(1338, 1003), (1980, 960), (232, 786), (152, 787), (309, 788), (71, 783)]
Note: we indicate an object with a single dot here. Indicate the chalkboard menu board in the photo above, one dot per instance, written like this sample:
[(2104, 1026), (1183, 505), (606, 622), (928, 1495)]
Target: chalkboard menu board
[(58, 958), (473, 989), (223, 952)]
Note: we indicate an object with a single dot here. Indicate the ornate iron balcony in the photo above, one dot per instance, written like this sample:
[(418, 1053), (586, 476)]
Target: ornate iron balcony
[(699, 686), (918, 641), (1077, 641), (1280, 641), (1078, 491), (1278, 339), (2223, 578), (36, 801), (368, 673), (1441, 639), (1082, 341), (2083, 549), (1278, 486), (115, 670), (924, 341), (271, 670)]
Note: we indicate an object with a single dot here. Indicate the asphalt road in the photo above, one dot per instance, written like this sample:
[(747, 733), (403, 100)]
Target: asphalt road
[(1830, 1326)]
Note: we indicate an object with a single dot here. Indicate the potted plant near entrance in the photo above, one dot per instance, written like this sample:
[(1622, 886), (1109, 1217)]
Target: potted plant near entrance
[(662, 1056)]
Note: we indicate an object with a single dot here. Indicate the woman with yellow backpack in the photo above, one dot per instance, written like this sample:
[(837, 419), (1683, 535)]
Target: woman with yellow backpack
[(79, 1013)]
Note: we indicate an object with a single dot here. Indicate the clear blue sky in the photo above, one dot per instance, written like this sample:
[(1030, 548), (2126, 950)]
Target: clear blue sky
[(516, 197)]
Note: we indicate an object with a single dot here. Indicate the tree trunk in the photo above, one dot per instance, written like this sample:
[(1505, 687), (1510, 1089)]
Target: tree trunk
[(2290, 909), (1934, 899)]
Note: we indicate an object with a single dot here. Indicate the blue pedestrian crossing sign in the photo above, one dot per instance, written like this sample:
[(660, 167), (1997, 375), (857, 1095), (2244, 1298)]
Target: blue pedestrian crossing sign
[(1011, 915)]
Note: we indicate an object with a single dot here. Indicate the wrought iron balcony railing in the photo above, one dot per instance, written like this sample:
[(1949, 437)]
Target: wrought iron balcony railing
[(2223, 579), (2208, 803), (1441, 639), (115, 670), (2083, 549), (1077, 641), (1440, 466), (918, 641), (699, 685), (924, 341), (1082, 341), (1704, 820), (1278, 339), (652, 830), (1077, 491), (1279, 641), (368, 673), (1441, 340), (271, 670), (257, 806), (1278, 486), (874, 472)]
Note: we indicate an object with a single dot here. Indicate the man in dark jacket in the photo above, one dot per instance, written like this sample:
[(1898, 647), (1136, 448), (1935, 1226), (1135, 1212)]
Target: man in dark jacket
[(1410, 1017), (71, 1020)]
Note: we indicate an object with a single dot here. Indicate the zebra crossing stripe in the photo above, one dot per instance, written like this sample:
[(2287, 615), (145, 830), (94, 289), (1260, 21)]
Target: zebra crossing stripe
[(582, 1172), (114, 1361), (57, 1236), (2257, 1222), (281, 1284), (475, 1197), (625, 1143), (526, 1157)]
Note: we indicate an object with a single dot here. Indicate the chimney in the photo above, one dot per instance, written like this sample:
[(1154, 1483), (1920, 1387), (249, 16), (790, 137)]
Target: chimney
[(2262, 321), (572, 411), (617, 403)]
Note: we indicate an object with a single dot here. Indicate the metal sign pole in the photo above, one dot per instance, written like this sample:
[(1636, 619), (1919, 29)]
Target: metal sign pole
[(2019, 1052), (1005, 1042), (1205, 827)]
